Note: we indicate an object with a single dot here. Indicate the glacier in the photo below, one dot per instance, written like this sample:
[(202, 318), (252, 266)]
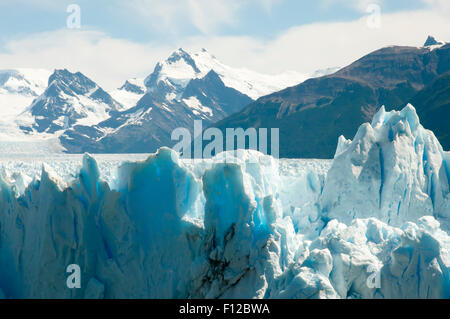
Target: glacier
[(371, 223)]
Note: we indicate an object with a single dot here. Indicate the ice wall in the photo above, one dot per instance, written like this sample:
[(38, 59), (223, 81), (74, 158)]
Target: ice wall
[(394, 170), (241, 225)]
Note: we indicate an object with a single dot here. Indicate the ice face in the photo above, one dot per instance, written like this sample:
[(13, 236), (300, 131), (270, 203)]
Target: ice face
[(373, 223), (394, 170)]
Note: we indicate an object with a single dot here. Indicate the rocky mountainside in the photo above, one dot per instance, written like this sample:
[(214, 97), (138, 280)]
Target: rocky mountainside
[(433, 106), (312, 115)]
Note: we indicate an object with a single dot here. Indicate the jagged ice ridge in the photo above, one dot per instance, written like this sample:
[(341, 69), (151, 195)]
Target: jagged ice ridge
[(240, 225)]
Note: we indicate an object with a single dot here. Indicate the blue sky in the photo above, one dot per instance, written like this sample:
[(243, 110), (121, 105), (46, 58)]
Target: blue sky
[(120, 39), (262, 19)]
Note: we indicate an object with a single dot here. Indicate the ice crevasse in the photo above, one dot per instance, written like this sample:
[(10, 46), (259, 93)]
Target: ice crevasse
[(241, 225)]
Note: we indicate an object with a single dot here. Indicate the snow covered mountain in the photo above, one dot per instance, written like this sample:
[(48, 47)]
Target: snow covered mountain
[(141, 114), (18, 89), (181, 67), (70, 99), (183, 88), (432, 43), (27, 82), (373, 225), (129, 93)]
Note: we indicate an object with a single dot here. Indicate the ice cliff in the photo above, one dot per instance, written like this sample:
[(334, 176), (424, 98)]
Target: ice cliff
[(241, 225), (393, 170)]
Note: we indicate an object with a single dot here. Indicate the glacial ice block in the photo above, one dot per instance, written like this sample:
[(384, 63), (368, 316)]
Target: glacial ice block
[(393, 169), (239, 225)]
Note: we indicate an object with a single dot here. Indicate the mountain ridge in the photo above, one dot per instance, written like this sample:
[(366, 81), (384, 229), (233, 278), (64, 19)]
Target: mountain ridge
[(70, 98), (140, 115), (181, 89), (312, 115)]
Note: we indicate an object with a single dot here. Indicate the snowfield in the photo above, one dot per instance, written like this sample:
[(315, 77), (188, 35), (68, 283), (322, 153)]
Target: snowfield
[(371, 223)]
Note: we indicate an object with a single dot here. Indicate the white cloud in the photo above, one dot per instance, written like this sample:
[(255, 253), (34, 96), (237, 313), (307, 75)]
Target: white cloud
[(442, 6), (207, 16), (110, 61), (174, 15), (359, 5), (310, 47)]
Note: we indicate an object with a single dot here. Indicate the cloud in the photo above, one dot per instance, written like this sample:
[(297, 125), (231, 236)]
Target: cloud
[(442, 6), (358, 5), (268, 5), (37, 3), (320, 45), (206, 16), (110, 61), (175, 15)]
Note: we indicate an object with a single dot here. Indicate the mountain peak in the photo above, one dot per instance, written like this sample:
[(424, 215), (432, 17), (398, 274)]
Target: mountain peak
[(177, 69), (133, 85), (181, 55), (61, 73), (180, 51), (182, 66), (5, 75), (70, 99), (27, 82), (432, 41), (76, 82)]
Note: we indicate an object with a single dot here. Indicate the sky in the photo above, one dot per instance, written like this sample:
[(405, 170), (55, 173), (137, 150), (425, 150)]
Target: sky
[(113, 40)]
